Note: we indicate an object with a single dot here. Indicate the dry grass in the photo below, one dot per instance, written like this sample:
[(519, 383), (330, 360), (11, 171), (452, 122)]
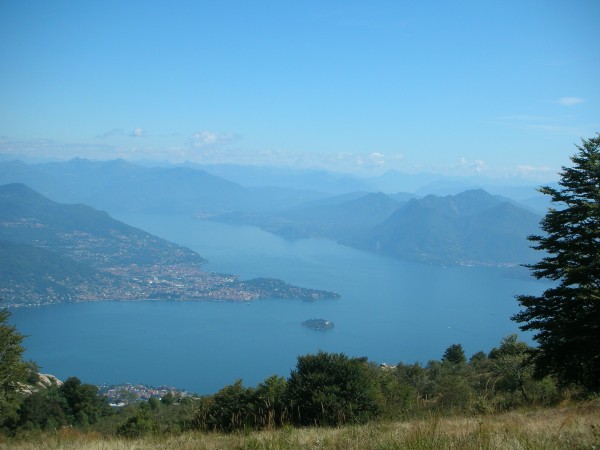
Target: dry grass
[(569, 427)]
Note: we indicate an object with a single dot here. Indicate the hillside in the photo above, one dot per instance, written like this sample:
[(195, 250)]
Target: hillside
[(81, 233), (38, 275), (53, 252), (473, 227), (543, 428)]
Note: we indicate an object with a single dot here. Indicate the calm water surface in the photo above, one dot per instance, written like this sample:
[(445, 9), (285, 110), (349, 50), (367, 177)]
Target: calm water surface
[(389, 311)]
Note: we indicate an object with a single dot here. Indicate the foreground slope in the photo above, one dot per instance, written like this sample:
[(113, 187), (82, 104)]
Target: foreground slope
[(574, 427)]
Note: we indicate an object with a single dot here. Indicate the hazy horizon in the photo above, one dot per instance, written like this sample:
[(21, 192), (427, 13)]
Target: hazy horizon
[(501, 90)]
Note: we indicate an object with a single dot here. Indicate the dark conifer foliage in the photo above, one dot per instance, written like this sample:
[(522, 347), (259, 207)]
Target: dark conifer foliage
[(13, 370), (566, 317), (454, 355)]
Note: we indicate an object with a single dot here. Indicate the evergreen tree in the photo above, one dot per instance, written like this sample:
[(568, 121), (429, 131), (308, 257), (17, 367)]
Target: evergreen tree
[(566, 317), (455, 355), (84, 405), (13, 371)]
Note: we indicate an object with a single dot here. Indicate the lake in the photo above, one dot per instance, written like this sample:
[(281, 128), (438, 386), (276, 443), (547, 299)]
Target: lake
[(389, 311)]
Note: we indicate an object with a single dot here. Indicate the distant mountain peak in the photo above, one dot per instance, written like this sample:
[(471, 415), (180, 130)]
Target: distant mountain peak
[(474, 193), (473, 227), (16, 188), (27, 217), (20, 194)]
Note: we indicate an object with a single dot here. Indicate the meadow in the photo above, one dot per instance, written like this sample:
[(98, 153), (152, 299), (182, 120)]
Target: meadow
[(569, 426)]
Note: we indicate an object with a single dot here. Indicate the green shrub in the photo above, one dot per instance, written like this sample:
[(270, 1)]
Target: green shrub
[(332, 389)]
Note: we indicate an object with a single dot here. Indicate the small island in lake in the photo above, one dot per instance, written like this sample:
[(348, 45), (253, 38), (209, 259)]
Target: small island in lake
[(318, 324)]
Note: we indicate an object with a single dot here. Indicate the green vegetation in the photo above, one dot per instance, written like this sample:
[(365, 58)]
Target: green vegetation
[(565, 427), (454, 401), (13, 370), (566, 316), (332, 389), (70, 404), (33, 273), (329, 401), (324, 390), (503, 399)]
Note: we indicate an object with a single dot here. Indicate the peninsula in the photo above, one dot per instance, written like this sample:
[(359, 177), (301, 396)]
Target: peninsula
[(56, 253)]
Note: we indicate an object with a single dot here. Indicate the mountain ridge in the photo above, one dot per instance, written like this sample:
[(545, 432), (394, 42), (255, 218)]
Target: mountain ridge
[(122, 186), (473, 227)]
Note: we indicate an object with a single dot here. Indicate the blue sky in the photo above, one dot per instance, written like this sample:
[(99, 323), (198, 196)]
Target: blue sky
[(465, 87)]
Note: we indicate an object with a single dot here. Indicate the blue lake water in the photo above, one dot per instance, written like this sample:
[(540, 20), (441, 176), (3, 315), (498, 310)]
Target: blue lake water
[(390, 311)]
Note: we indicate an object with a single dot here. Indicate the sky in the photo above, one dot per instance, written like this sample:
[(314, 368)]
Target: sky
[(492, 88)]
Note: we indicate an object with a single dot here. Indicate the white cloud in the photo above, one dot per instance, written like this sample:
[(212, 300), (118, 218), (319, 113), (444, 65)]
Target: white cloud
[(209, 138), (367, 163), (111, 133), (206, 148), (119, 132), (570, 101), (464, 165), (204, 138), (137, 132), (527, 171), (377, 158)]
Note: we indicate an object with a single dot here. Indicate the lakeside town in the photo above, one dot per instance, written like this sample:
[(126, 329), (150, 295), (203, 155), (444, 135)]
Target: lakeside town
[(161, 282), (112, 261), (121, 395)]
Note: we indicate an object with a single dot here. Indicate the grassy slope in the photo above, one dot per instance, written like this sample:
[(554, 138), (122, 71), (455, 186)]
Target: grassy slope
[(571, 427)]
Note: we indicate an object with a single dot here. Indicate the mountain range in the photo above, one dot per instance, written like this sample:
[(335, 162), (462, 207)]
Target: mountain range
[(120, 186), (473, 227), (470, 227)]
